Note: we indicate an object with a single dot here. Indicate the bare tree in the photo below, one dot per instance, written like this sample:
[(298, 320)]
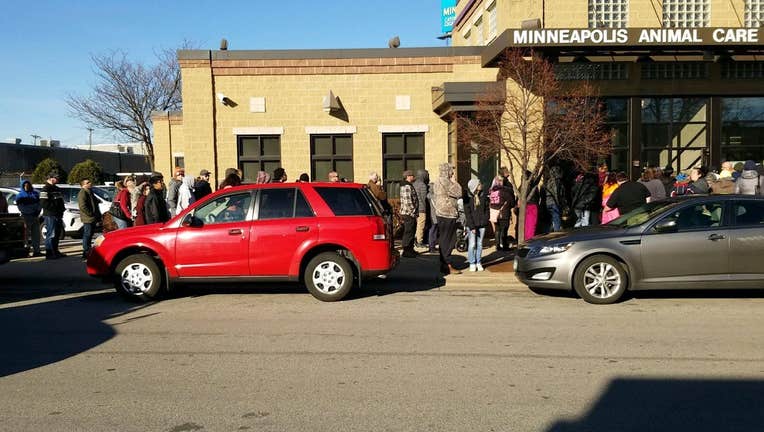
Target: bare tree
[(125, 94), (533, 120)]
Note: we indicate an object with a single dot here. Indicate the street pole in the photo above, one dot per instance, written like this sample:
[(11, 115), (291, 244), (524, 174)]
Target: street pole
[(90, 139), (35, 136)]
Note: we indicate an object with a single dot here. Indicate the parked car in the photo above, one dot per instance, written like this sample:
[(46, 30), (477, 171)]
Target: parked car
[(71, 218), (10, 196), (330, 236), (692, 242), (12, 237)]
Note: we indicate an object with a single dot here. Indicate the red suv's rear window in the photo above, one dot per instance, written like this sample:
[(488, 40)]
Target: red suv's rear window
[(347, 201)]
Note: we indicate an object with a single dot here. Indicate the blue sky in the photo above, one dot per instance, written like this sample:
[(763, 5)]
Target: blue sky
[(47, 45)]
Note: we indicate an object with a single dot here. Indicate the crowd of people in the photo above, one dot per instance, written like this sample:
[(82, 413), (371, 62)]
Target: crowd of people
[(431, 212)]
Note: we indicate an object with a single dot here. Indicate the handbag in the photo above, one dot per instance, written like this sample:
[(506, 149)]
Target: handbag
[(116, 211)]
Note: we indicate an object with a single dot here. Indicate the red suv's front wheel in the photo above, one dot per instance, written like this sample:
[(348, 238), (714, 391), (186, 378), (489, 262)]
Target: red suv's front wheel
[(328, 276)]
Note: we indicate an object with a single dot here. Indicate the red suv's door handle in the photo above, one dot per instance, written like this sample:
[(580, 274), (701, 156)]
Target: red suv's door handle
[(302, 228), (235, 231)]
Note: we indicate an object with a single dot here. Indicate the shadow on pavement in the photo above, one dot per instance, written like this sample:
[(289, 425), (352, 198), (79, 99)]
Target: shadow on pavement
[(677, 405), (698, 294), (30, 279), (38, 334)]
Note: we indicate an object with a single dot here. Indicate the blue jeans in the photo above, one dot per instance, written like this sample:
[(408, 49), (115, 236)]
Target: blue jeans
[(33, 232), (475, 245), (554, 212), (121, 223), (87, 237), (582, 218), (55, 230)]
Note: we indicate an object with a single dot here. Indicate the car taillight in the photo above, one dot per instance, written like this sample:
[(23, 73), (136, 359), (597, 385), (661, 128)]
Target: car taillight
[(380, 232)]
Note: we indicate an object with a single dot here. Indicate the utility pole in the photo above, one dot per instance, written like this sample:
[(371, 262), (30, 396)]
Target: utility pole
[(35, 136), (90, 139)]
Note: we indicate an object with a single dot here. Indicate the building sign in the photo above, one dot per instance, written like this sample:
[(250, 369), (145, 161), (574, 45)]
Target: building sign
[(447, 15), (637, 37)]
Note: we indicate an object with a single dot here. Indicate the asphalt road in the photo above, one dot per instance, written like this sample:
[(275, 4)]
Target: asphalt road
[(400, 355)]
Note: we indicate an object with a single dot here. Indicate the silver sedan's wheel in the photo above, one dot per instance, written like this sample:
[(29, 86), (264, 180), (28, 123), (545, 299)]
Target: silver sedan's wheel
[(328, 276), (138, 277), (600, 279)]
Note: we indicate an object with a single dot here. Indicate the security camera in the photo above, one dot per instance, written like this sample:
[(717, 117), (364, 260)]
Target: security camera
[(224, 99)]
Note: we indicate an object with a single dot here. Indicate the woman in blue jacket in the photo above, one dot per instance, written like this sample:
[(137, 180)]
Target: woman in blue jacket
[(28, 202)]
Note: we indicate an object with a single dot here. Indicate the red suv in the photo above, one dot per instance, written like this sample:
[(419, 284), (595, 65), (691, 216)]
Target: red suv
[(330, 236)]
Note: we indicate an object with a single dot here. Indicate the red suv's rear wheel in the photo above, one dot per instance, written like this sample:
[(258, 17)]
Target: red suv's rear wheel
[(328, 276)]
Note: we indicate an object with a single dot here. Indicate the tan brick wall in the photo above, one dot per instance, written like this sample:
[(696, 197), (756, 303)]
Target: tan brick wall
[(196, 139)]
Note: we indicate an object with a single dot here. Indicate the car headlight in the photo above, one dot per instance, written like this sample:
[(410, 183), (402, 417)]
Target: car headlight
[(553, 249), (98, 241)]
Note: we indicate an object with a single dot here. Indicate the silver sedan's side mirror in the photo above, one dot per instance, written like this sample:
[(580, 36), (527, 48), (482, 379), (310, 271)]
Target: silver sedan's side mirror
[(666, 226)]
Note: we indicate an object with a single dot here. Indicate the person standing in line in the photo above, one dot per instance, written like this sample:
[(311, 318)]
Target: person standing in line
[(227, 176), (279, 176), (531, 206), (446, 191), (653, 184), (668, 179), (202, 186), (421, 185), (512, 227), (432, 234), (185, 194), (698, 182), (629, 195), (28, 202), (409, 212), (124, 199), (263, 177), (476, 217), (52, 203), (333, 177), (90, 214), (304, 178), (554, 197), (155, 207), (610, 185), (230, 181), (140, 206), (584, 193), (749, 182), (172, 189)]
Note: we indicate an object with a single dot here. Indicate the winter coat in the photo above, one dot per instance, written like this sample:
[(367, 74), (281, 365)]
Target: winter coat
[(379, 193), (185, 194), (476, 214), (445, 192), (172, 193), (552, 188), (88, 204), (140, 211), (124, 198), (700, 186), (202, 188), (421, 186), (155, 208), (52, 201), (668, 184), (28, 202), (584, 191), (657, 189), (723, 186), (749, 183), (409, 200)]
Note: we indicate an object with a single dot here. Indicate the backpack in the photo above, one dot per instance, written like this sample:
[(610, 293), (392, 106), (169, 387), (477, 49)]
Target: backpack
[(495, 196), (681, 188)]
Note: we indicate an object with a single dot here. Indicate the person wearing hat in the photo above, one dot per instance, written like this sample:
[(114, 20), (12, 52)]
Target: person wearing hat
[(52, 203), (668, 179), (155, 208), (173, 188), (749, 182), (409, 210), (202, 186), (476, 218), (445, 192)]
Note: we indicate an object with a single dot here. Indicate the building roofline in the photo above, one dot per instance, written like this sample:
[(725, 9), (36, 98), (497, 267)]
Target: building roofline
[(330, 53)]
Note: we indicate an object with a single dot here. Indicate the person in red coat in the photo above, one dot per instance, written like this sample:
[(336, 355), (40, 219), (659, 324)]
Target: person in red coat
[(140, 206)]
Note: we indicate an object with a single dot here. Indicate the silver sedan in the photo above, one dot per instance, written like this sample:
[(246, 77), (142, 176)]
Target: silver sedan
[(695, 242)]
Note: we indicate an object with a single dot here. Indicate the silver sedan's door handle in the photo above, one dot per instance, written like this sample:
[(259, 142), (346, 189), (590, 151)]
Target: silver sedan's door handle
[(715, 237)]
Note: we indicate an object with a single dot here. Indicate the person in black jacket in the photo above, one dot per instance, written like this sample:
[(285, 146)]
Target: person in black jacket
[(476, 216), (202, 186), (52, 203), (584, 195), (155, 208)]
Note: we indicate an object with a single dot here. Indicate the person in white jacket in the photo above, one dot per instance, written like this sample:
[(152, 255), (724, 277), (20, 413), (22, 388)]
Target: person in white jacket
[(185, 194)]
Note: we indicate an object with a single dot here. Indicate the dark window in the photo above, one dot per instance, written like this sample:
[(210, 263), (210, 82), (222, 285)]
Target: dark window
[(331, 153), (748, 213), (699, 216), (180, 161), (400, 152), (227, 208), (346, 201), (283, 203), (258, 153), (743, 129), (617, 119), (674, 132)]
